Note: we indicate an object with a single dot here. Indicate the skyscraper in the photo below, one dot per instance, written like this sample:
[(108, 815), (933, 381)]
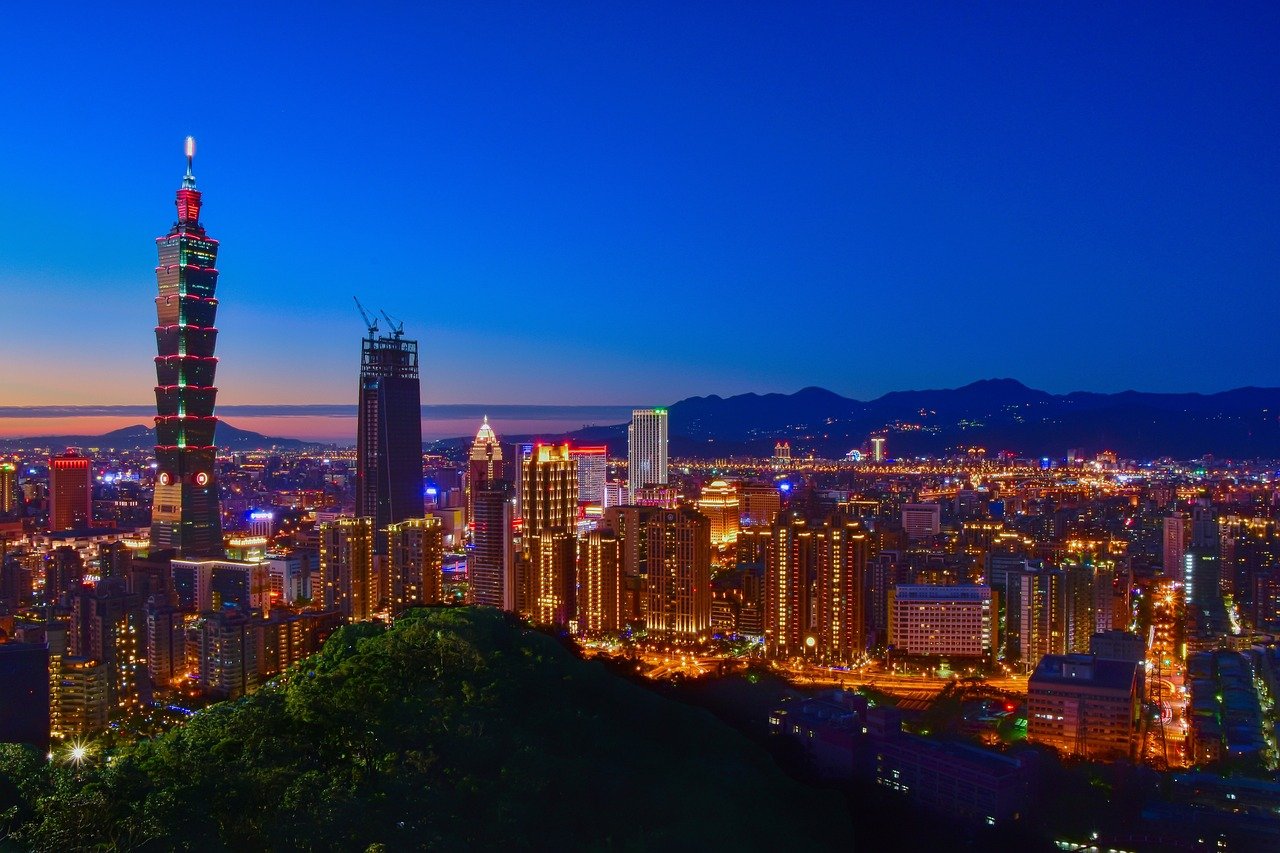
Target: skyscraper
[(389, 432), (8, 488), (184, 513), (484, 466), (788, 581), (70, 492), (491, 568), (646, 450), (346, 567), (593, 471), (679, 575), (719, 503), (549, 487), (844, 548), (599, 582)]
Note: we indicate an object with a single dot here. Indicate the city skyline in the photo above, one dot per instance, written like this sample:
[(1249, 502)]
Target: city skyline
[(944, 171)]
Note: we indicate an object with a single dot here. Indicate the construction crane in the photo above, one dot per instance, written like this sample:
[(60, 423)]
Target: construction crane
[(369, 321), (397, 329)]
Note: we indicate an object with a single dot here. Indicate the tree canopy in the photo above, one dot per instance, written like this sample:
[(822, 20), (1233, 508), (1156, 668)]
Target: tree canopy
[(456, 727)]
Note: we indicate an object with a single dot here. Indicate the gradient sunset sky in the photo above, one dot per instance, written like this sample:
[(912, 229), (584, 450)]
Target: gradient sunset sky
[(634, 203)]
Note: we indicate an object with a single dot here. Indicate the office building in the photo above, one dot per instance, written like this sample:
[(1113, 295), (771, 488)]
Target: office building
[(491, 569), (759, 503), (484, 465), (593, 471), (70, 492), (388, 433), (348, 584), (212, 584), (416, 563), (185, 514), (879, 448), (679, 577), (946, 621), (646, 450), (1084, 705), (921, 520), (719, 503)]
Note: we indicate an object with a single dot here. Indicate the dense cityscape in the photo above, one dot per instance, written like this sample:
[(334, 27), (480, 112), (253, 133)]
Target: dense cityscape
[(579, 426), (946, 628)]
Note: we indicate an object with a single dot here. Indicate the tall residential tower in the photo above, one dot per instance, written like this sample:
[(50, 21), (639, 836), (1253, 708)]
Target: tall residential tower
[(184, 513)]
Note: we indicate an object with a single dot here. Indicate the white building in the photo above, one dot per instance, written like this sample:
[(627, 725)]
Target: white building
[(646, 450)]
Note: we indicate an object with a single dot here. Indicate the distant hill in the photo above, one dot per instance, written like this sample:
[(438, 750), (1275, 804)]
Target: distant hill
[(141, 437), (997, 414)]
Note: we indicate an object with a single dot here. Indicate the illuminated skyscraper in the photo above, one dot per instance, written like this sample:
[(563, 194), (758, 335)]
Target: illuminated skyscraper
[(70, 492), (679, 575), (8, 488), (719, 503), (593, 471), (346, 567), (491, 574), (416, 551), (646, 450), (484, 466), (599, 582), (389, 432), (788, 588), (184, 513), (877, 448), (844, 548), (549, 487)]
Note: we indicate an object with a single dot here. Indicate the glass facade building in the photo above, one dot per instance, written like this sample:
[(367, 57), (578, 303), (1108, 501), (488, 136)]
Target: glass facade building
[(389, 434), (185, 512)]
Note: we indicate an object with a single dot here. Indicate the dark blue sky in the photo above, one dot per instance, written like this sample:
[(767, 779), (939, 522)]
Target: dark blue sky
[(606, 202)]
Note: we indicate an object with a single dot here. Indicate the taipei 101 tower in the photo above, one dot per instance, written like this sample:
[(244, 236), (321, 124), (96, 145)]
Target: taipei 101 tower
[(185, 513)]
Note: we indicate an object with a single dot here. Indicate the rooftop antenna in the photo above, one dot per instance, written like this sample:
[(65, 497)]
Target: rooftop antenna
[(369, 321), (397, 329)]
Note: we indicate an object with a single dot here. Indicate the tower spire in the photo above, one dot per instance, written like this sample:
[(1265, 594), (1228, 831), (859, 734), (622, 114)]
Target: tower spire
[(189, 180)]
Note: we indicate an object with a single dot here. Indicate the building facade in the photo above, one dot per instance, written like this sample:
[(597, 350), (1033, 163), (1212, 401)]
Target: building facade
[(185, 515), (646, 450)]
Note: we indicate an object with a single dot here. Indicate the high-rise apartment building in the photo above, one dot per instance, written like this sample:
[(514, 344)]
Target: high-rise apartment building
[(679, 578), (348, 584), (185, 513), (593, 471), (229, 653), (788, 588), (599, 582), (24, 684), (484, 465), (491, 570), (388, 433), (416, 562), (549, 502), (70, 491), (107, 626), (1175, 544), (646, 450), (759, 503), (843, 551)]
